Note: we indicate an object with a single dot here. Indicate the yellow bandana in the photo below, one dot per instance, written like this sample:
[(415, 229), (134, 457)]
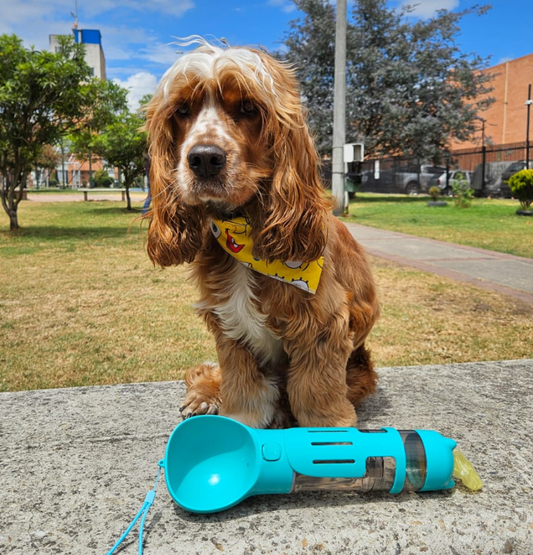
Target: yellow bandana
[(234, 236)]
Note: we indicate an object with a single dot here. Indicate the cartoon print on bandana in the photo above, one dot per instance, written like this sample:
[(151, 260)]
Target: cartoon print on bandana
[(234, 236)]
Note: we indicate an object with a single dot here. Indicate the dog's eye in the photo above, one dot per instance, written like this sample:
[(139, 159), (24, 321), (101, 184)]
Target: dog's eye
[(183, 110), (248, 108)]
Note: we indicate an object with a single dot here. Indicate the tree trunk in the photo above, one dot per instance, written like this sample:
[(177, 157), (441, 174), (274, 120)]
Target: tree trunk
[(127, 183), (12, 197), (13, 220)]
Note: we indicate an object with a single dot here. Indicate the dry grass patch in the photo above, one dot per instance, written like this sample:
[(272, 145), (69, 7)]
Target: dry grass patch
[(428, 319), (81, 304)]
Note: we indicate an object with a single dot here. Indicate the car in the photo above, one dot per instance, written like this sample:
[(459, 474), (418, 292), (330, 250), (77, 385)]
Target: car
[(454, 176), (410, 180), (509, 171), (513, 168)]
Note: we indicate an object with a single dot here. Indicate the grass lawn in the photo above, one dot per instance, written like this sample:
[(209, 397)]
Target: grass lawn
[(81, 304), (487, 224)]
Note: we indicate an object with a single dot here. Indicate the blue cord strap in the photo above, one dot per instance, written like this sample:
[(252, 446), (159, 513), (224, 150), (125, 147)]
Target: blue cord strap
[(143, 512)]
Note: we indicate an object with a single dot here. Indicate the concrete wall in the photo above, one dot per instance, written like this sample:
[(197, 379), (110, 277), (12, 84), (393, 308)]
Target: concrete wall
[(94, 56)]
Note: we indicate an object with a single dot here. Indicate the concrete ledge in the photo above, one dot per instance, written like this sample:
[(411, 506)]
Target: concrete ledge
[(75, 466)]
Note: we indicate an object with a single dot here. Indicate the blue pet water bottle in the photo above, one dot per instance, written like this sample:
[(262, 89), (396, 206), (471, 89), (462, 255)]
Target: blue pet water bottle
[(212, 463)]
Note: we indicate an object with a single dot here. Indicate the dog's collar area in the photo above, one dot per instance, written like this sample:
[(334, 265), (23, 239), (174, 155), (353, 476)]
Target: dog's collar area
[(224, 212), (234, 235)]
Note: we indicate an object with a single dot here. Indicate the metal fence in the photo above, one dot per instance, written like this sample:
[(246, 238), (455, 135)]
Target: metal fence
[(486, 168)]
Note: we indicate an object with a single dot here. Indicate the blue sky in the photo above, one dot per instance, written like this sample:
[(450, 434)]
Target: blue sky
[(137, 35)]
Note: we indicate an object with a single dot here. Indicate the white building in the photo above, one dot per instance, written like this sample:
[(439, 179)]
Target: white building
[(94, 53)]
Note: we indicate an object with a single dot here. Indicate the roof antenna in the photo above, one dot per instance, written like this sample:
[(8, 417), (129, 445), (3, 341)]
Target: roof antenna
[(75, 16)]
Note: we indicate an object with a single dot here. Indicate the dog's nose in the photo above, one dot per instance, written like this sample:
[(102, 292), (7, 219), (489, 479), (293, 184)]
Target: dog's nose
[(206, 160)]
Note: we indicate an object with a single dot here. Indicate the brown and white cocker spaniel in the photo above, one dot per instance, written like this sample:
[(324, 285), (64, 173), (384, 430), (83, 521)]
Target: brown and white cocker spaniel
[(284, 288)]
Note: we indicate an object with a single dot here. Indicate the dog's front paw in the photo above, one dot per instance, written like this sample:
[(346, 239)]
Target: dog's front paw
[(194, 406), (203, 394)]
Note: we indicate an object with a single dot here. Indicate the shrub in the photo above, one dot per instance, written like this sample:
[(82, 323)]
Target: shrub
[(462, 193), (434, 193), (521, 185), (102, 179)]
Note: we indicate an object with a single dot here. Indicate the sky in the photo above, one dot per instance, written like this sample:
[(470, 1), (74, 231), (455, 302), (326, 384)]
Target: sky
[(139, 36)]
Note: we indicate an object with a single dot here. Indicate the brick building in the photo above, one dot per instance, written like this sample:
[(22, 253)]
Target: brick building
[(505, 119)]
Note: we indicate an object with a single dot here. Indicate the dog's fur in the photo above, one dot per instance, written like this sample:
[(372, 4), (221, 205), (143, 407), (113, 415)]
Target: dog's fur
[(283, 353)]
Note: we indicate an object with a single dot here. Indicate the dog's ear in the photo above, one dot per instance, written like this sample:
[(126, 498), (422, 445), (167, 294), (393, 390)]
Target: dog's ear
[(294, 206), (175, 233)]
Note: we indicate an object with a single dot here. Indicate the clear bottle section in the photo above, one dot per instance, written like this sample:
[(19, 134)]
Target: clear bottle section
[(380, 471)]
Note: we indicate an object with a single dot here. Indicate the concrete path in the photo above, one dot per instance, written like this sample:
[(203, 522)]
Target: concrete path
[(503, 273), (75, 465)]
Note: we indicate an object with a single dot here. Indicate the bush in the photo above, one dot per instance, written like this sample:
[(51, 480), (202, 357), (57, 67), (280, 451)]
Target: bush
[(102, 179), (462, 193), (521, 185), (434, 193)]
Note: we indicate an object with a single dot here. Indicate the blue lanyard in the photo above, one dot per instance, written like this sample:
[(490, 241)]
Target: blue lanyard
[(148, 501)]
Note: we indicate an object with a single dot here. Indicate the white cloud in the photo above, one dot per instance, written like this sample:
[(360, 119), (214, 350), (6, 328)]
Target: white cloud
[(34, 20), (24, 10), (286, 5), (504, 60), (160, 53), (427, 8), (138, 85)]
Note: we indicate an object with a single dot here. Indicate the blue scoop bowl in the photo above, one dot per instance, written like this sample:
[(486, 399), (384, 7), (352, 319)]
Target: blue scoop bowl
[(212, 462)]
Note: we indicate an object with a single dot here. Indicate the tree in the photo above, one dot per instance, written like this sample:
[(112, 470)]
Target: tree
[(107, 100), (123, 146), (43, 96), (410, 89), (311, 48), (46, 162)]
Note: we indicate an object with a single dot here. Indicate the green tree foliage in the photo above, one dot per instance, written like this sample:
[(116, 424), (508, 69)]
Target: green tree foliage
[(311, 48), (47, 161), (43, 96), (122, 145), (521, 185), (410, 89), (107, 100), (102, 179)]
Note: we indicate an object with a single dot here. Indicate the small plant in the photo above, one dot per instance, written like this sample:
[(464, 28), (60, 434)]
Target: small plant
[(521, 185), (434, 193), (102, 179), (462, 192)]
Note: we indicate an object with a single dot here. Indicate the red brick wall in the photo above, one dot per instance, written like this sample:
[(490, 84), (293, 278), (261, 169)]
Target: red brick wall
[(506, 117)]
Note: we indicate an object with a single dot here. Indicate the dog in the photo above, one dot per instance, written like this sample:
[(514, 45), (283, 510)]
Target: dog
[(284, 288)]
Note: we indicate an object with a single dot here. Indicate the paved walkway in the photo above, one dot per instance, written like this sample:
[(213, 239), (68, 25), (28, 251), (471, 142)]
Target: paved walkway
[(496, 271)]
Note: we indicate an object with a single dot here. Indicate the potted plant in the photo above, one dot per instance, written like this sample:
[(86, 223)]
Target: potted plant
[(521, 185)]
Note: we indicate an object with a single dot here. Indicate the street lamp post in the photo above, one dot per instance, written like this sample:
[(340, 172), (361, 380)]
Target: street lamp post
[(529, 102), (483, 154)]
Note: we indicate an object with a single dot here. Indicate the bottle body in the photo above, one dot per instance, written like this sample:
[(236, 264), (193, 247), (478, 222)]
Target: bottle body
[(380, 471)]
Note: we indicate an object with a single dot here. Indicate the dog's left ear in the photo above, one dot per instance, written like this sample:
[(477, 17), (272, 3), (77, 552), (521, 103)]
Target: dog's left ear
[(295, 207)]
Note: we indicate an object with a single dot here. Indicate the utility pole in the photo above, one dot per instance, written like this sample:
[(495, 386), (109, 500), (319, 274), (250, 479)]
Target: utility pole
[(339, 111)]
